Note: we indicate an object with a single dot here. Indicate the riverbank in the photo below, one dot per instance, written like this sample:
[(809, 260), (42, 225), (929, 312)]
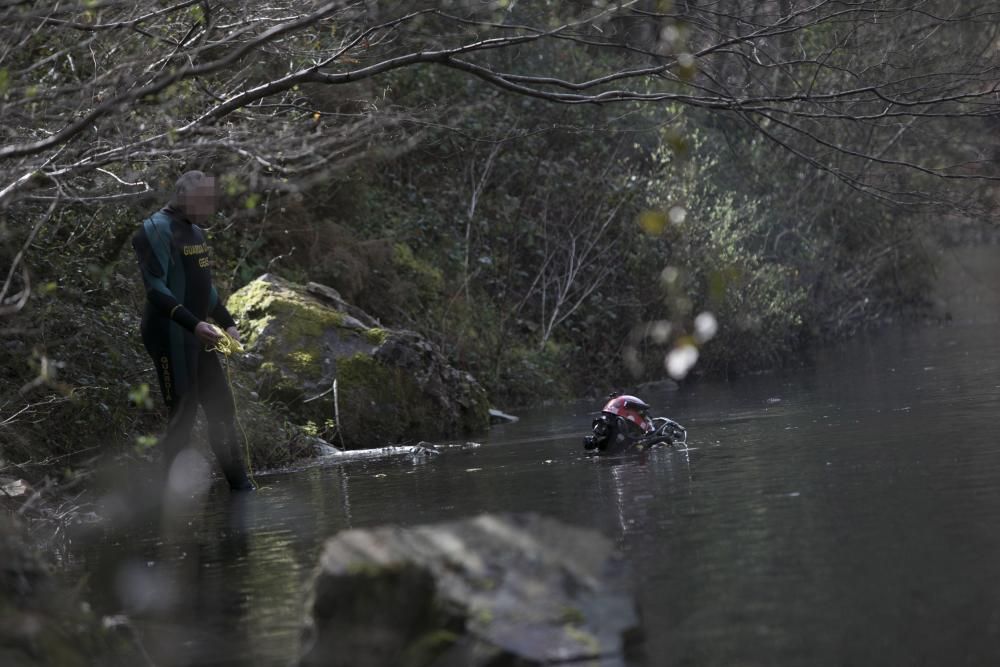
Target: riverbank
[(74, 357)]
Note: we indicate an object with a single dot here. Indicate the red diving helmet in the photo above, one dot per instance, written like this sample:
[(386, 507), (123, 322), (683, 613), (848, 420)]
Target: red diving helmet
[(631, 408)]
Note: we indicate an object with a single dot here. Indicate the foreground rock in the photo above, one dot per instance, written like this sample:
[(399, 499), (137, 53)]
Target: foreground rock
[(391, 385), (502, 591), (43, 625)]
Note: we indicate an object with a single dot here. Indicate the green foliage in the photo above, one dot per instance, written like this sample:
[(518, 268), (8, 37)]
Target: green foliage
[(461, 214), (699, 197), (140, 396), (529, 373), (715, 242), (145, 442)]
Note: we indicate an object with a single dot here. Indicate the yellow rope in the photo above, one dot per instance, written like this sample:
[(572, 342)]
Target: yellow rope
[(226, 344), (229, 346)]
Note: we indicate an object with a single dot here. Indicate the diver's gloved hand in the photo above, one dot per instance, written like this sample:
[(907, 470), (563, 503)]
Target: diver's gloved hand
[(209, 334), (234, 333)]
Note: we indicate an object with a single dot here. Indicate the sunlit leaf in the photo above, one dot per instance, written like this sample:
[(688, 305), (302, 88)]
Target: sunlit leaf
[(705, 327), (653, 222), (681, 360)]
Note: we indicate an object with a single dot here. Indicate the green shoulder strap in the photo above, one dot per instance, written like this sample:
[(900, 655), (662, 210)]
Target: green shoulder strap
[(159, 244)]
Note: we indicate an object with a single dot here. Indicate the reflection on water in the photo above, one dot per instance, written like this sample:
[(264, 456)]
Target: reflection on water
[(841, 514)]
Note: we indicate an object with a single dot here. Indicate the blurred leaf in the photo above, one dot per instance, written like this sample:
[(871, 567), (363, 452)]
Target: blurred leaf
[(145, 442), (720, 281), (653, 222), (140, 397)]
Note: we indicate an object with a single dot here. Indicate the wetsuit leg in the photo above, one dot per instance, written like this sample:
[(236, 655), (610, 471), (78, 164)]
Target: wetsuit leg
[(173, 367), (220, 413), (183, 412)]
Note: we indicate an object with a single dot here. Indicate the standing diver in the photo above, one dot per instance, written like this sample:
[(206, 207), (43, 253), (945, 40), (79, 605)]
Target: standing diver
[(175, 264)]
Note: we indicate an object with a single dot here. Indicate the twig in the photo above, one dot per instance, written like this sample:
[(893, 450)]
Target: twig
[(336, 414)]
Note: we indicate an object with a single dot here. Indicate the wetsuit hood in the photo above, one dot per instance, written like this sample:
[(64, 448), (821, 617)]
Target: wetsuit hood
[(175, 212)]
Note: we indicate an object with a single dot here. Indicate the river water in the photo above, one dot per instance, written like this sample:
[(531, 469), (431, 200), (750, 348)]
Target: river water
[(845, 513)]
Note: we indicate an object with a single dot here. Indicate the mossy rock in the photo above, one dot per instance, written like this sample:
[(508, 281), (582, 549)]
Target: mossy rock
[(492, 590), (392, 386)]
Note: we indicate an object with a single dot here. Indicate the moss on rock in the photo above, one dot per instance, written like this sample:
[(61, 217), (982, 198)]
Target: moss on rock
[(376, 335), (391, 385), (378, 403), (411, 596)]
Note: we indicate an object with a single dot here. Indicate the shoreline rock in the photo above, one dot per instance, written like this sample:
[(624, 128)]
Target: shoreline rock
[(391, 385), (493, 590)]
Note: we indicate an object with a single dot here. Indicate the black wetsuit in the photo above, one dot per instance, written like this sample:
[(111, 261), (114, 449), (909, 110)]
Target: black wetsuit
[(175, 264)]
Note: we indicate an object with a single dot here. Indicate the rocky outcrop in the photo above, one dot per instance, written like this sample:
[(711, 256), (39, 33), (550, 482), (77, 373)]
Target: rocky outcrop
[(502, 591), (43, 625), (391, 385)]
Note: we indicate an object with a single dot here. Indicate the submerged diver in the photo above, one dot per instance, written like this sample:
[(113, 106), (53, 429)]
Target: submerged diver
[(175, 265), (624, 423)]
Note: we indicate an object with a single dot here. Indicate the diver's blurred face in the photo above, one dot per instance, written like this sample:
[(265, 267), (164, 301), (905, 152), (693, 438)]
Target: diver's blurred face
[(200, 202)]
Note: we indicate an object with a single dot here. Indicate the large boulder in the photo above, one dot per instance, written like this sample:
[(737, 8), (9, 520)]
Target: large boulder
[(503, 591), (391, 385)]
